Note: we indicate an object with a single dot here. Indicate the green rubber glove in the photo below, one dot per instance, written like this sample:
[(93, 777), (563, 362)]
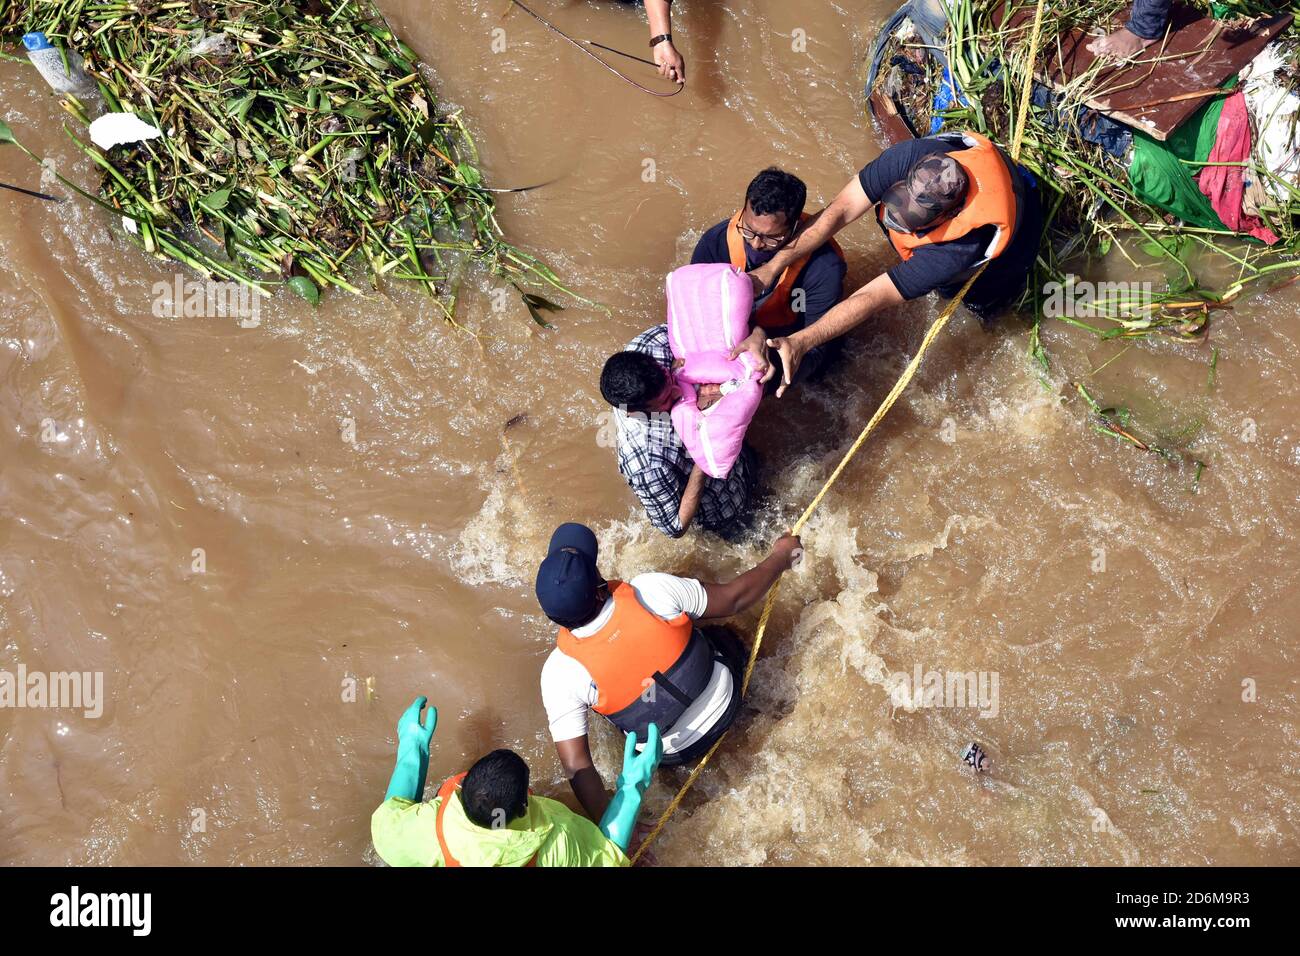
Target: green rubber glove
[(638, 768), (412, 752)]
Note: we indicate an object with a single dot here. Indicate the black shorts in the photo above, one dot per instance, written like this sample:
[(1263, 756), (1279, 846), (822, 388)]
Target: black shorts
[(733, 653)]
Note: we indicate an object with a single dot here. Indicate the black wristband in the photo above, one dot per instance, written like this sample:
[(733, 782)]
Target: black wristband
[(655, 41)]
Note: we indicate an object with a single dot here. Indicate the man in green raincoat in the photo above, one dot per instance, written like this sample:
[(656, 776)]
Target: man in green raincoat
[(487, 817)]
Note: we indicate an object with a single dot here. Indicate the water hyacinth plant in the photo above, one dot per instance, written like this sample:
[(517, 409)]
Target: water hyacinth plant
[(302, 146), (1092, 209), (1095, 218)]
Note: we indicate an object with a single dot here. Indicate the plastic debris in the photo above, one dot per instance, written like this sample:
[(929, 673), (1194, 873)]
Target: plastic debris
[(48, 60), (214, 44), (114, 129), (1273, 107), (974, 756)]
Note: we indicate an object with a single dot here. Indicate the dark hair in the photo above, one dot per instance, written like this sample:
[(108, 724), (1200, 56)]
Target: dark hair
[(497, 784), (774, 190), (631, 379)]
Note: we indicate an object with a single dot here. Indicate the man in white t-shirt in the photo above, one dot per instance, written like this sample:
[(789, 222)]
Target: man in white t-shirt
[(631, 651)]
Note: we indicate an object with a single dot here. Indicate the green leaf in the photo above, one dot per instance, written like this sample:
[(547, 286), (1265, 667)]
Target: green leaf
[(6, 134), (1173, 247), (427, 131), (1179, 283), (538, 317), (469, 175), (238, 106), (357, 111), (536, 304), (1092, 402), (305, 289), (215, 202)]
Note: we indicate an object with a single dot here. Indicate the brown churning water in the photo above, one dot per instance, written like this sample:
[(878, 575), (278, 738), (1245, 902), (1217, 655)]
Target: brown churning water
[(241, 525)]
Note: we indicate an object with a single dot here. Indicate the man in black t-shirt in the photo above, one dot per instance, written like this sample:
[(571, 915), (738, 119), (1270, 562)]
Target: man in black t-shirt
[(804, 291), (925, 197)]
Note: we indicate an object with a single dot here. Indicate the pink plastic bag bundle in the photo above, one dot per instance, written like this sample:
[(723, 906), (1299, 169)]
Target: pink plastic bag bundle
[(708, 315)]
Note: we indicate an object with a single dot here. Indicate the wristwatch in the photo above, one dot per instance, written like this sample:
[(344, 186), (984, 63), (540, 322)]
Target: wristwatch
[(655, 41)]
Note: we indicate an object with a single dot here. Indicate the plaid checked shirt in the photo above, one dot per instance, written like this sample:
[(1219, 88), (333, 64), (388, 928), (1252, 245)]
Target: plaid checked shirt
[(657, 465)]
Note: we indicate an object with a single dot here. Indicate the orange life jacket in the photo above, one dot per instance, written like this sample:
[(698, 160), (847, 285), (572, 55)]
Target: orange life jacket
[(445, 793), (775, 311), (990, 200), (625, 655)]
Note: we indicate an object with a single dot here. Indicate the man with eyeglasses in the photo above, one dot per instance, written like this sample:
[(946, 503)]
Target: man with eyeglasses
[(947, 204), (806, 288)]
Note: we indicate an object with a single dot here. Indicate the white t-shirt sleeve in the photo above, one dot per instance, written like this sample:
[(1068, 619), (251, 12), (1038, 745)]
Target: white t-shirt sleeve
[(567, 692), (667, 595)]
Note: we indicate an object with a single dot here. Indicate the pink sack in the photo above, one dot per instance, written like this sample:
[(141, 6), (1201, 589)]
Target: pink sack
[(708, 315)]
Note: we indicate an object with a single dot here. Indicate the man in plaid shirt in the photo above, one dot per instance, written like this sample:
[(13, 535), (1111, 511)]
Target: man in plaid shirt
[(673, 490)]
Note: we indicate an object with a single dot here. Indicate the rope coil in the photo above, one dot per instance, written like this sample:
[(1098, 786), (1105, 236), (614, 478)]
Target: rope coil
[(908, 373)]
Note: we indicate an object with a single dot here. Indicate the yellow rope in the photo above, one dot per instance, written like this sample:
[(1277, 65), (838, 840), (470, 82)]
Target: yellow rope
[(903, 381), (1027, 90)]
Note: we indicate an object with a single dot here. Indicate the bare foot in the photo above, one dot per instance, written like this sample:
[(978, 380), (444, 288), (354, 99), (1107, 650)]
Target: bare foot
[(1121, 44)]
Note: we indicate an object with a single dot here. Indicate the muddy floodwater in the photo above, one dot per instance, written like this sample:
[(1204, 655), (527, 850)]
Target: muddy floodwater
[(269, 539)]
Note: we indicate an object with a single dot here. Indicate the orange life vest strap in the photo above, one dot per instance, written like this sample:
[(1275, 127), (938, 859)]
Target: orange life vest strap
[(775, 311), (624, 655), (445, 793)]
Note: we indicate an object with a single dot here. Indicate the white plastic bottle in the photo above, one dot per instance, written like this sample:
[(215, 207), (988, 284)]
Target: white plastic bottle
[(49, 62)]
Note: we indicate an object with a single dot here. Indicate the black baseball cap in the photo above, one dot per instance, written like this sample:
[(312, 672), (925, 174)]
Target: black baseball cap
[(935, 186), (567, 580)]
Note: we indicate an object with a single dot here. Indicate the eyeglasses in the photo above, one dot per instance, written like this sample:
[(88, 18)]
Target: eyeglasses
[(767, 242)]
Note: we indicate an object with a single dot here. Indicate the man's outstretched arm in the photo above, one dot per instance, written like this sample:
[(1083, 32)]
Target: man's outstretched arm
[(667, 59), (879, 293), (748, 589), (584, 778)]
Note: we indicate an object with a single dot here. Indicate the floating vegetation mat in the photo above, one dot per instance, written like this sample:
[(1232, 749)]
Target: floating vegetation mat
[(1090, 203), (949, 65), (302, 146)]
